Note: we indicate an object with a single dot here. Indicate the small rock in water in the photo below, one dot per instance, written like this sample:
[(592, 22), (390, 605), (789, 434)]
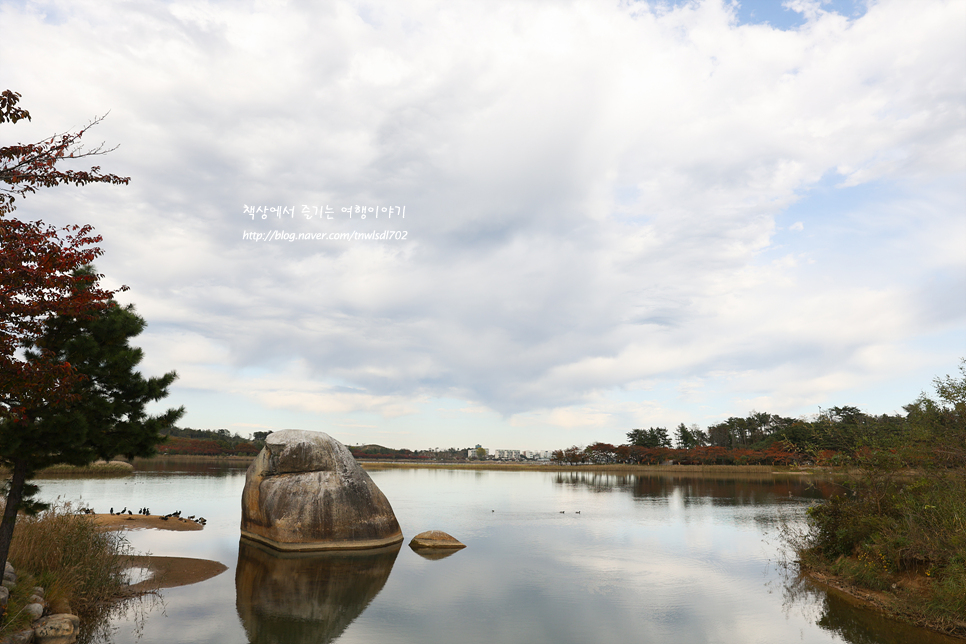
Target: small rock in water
[(435, 539)]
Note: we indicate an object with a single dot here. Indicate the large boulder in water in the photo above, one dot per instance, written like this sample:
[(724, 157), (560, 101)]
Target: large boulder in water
[(305, 491)]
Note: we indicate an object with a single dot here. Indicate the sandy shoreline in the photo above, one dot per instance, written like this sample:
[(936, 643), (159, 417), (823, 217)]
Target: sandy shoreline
[(171, 572), (166, 572), (140, 521)]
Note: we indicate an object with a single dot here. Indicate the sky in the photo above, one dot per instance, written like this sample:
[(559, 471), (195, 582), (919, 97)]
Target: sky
[(581, 216)]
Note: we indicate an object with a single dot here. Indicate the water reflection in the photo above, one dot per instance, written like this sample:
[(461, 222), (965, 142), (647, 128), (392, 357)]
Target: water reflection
[(289, 598), (655, 558), (186, 466), (435, 554), (726, 490)]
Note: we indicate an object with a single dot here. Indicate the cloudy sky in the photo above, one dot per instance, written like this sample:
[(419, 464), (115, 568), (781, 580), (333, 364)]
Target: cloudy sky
[(616, 214)]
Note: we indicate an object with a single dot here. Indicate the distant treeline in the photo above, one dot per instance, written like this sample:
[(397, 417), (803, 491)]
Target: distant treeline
[(185, 441), (209, 442), (832, 437), (378, 452)]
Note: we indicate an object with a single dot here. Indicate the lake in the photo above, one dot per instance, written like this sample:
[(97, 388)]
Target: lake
[(551, 557)]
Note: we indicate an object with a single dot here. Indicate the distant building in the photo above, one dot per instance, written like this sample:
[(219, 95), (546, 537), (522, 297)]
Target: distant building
[(538, 455), (509, 454)]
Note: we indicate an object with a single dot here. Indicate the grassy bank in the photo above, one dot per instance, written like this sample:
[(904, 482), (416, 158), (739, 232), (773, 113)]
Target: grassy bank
[(98, 470), (79, 565), (897, 535), (898, 543)]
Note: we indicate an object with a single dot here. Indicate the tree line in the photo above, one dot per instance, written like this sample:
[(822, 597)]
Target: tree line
[(834, 436), (186, 441)]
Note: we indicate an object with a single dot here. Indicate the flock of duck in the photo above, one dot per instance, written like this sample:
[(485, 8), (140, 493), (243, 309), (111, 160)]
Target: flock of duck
[(147, 512)]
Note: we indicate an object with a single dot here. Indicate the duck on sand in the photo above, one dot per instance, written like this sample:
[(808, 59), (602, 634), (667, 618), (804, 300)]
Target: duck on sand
[(166, 572), (139, 521)]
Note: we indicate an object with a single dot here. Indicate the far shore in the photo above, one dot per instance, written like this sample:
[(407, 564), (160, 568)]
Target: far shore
[(539, 466), (122, 468), (611, 468)]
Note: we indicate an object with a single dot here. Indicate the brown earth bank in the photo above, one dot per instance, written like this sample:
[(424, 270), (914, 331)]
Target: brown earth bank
[(166, 572), (170, 572), (886, 602), (140, 521)]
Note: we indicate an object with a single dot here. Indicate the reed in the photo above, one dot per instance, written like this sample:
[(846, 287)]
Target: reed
[(79, 565)]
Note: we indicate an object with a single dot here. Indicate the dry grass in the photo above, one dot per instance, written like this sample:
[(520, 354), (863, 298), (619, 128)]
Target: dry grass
[(78, 564), (112, 469)]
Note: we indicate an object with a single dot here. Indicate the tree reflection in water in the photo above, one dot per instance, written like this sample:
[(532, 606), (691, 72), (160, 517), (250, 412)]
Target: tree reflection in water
[(306, 597)]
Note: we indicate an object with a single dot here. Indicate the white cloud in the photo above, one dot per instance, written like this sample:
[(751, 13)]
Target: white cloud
[(591, 190)]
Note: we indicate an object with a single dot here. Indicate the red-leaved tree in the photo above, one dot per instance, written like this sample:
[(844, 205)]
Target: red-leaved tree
[(41, 279)]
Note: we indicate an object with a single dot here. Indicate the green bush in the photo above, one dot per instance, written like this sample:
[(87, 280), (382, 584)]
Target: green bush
[(901, 526)]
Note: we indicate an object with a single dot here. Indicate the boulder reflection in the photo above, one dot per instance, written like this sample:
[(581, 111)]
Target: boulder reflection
[(292, 597)]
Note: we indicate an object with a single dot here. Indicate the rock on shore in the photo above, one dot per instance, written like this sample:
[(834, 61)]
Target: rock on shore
[(52, 629)]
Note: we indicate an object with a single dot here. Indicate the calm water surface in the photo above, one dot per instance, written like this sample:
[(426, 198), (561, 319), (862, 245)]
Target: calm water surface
[(551, 557)]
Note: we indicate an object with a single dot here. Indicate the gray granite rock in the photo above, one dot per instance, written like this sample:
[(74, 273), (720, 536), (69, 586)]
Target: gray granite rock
[(22, 637), (57, 629), (306, 492), (4, 597), (35, 610), (436, 539)]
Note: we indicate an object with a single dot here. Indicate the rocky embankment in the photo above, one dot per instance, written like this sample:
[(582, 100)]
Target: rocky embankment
[(60, 628)]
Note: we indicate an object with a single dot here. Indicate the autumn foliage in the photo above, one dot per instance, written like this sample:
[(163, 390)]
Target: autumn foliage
[(40, 267), (26, 167)]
